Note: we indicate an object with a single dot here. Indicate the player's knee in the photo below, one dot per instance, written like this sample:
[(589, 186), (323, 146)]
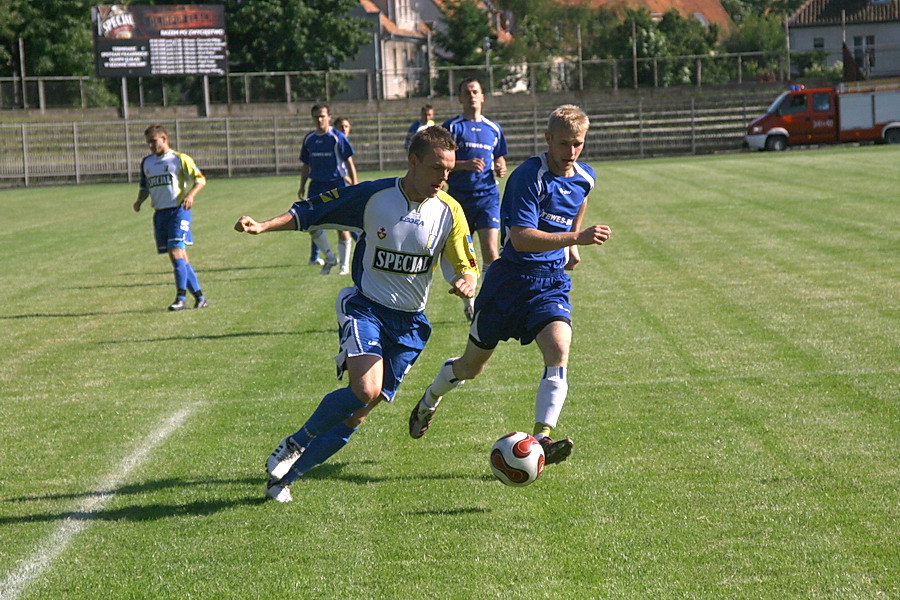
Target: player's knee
[(365, 391)]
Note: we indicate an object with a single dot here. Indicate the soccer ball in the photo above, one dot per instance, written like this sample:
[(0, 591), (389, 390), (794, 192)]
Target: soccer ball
[(517, 459)]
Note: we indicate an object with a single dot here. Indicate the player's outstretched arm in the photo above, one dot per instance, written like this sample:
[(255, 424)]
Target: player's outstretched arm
[(594, 235), (283, 222), (464, 286)]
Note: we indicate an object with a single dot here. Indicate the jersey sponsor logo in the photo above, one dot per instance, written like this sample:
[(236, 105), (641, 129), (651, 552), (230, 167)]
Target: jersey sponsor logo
[(401, 262), (556, 218), (160, 180), (413, 220)]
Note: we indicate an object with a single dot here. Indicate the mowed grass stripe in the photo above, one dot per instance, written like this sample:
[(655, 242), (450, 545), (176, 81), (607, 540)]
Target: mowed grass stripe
[(734, 411)]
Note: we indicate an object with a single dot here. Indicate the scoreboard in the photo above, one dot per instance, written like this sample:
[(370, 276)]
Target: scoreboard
[(147, 41)]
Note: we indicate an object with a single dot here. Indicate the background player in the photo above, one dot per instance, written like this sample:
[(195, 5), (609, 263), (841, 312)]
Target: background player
[(408, 225), (525, 294), (343, 125), (480, 154), (327, 158), (172, 181), (426, 119)]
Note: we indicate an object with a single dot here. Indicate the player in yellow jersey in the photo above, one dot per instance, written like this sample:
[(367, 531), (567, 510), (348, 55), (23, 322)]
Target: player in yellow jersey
[(172, 181)]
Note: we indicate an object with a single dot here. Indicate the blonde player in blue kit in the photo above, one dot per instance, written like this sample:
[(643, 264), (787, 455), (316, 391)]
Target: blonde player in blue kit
[(408, 227), (525, 293), (172, 181)]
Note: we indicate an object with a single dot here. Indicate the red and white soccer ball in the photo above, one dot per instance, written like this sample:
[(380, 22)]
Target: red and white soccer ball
[(517, 459)]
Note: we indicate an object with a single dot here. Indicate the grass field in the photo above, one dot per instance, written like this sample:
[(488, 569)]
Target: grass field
[(734, 398)]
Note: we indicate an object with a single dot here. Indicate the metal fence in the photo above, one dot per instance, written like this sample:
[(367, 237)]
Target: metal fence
[(110, 151), (303, 86)]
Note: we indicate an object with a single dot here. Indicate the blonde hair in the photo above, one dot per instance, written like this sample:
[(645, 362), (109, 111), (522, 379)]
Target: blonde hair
[(569, 116)]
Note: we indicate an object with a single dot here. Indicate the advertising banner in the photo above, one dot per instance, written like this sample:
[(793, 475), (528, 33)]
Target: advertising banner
[(146, 41)]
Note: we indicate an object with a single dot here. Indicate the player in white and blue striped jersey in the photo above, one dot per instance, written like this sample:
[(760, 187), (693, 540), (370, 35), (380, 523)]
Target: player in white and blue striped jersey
[(525, 292), (172, 181), (408, 227)]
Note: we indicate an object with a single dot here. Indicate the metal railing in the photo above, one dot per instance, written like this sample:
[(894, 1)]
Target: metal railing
[(110, 151), (303, 86)]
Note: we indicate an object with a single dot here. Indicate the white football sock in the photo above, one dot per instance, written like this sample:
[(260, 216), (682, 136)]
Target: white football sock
[(344, 252), (321, 241), (551, 395), (443, 382)]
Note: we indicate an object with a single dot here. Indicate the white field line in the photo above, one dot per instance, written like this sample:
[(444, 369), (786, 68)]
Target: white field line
[(14, 583)]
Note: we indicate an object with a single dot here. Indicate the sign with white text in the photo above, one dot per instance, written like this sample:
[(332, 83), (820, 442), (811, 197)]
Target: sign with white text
[(147, 41)]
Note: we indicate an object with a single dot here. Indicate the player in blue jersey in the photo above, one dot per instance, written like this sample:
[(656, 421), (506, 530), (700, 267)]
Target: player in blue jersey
[(426, 119), (525, 294), (327, 158), (172, 181), (480, 155), (408, 227)]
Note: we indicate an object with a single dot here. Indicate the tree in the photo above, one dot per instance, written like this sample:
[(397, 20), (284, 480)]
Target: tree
[(292, 35), (466, 28)]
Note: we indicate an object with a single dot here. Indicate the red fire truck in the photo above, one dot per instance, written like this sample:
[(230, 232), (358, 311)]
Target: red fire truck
[(848, 113)]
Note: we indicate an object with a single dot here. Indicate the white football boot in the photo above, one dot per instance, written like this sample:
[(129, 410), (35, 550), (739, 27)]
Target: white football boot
[(277, 491), (283, 458)]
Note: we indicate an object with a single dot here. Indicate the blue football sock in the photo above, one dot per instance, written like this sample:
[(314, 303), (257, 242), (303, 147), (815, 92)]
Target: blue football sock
[(334, 408), (181, 276), (192, 283), (320, 449)]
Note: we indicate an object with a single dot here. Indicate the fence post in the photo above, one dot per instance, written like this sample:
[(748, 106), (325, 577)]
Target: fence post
[(641, 127), (228, 144), (42, 102), (534, 130), (128, 151), (246, 90), (699, 71), (75, 151), (82, 93), (25, 154), (655, 73), (615, 75), (693, 128), (275, 142), (740, 70), (327, 93), (380, 145)]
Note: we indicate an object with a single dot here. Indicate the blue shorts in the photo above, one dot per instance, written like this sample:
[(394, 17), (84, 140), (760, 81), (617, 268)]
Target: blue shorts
[(482, 208), (172, 228), (518, 301), (320, 187), (366, 327)]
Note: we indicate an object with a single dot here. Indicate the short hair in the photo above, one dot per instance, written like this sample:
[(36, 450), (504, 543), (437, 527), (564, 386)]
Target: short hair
[(317, 107), (466, 82), (569, 116), (434, 137), (339, 120), (155, 129)]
